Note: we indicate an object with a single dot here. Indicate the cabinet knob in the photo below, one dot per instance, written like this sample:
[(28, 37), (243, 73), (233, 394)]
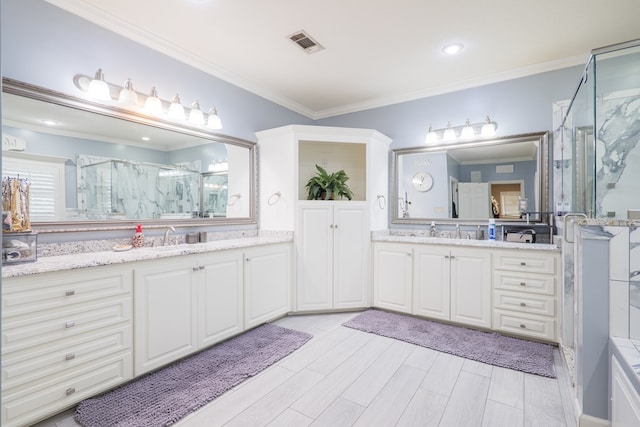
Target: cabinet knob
[(70, 324), (70, 391), (335, 226), (330, 225), (523, 263), (248, 259), (195, 268), (70, 356), (446, 257), (201, 267), (522, 304), (523, 284), (453, 257), (523, 326), (69, 293)]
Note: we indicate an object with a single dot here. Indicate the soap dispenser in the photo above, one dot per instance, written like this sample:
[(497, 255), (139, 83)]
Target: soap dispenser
[(138, 237)]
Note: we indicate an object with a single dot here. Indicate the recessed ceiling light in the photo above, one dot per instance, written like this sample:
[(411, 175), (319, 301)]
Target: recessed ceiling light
[(452, 48), (49, 122)]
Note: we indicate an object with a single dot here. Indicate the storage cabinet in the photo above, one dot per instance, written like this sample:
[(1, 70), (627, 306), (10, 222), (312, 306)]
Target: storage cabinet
[(392, 276), (524, 293), (333, 253), (267, 283), (64, 338), (440, 282)]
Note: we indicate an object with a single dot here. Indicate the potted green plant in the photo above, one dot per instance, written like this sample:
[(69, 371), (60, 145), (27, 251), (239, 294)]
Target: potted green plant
[(326, 186)]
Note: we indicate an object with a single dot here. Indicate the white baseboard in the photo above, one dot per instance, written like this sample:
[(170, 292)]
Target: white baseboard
[(589, 421)]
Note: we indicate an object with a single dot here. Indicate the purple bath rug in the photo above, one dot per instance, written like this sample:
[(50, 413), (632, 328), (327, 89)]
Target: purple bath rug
[(163, 397), (486, 347)]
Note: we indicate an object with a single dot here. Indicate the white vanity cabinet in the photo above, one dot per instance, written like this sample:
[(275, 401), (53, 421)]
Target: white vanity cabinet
[(452, 284), (184, 304), (332, 250), (393, 276), (65, 337), (625, 400), (525, 286), (267, 283), (439, 282)]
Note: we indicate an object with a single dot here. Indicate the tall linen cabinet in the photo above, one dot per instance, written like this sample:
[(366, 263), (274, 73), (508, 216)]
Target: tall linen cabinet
[(331, 238)]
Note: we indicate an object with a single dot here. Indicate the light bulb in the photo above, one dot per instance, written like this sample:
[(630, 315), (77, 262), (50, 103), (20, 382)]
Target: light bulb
[(467, 131), (214, 121), (176, 110), (195, 116), (449, 134), (98, 88), (153, 104), (432, 137), (127, 95), (488, 129)]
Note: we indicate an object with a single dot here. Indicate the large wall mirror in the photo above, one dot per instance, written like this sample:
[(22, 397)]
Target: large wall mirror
[(504, 178), (92, 166)]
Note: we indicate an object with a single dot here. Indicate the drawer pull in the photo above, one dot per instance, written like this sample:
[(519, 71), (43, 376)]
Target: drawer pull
[(70, 293), (523, 263), (70, 324), (70, 356), (523, 326), (522, 304), (70, 391), (201, 267), (523, 283), (195, 268)]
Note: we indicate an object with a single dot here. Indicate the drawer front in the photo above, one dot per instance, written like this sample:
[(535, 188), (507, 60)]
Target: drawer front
[(53, 325), (528, 325), (524, 303), (535, 283), (526, 262), (25, 295), (26, 404), (34, 364)]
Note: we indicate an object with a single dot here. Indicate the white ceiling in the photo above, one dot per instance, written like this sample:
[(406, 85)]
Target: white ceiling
[(376, 52)]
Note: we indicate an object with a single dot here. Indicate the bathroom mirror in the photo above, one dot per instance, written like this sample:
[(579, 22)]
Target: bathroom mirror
[(95, 166), (505, 178)]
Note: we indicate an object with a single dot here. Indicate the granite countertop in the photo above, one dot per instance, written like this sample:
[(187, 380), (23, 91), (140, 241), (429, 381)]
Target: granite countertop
[(385, 237), (627, 352), (94, 259)]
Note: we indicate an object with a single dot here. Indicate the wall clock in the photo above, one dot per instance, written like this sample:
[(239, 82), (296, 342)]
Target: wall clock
[(422, 181)]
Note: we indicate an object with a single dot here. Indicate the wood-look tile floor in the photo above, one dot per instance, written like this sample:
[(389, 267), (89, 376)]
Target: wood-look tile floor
[(344, 377)]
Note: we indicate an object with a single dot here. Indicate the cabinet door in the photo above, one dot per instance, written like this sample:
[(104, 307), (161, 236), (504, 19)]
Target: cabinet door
[(392, 276), (350, 257), (431, 282), (625, 401), (471, 287), (314, 289), (266, 283), (165, 319), (220, 297)]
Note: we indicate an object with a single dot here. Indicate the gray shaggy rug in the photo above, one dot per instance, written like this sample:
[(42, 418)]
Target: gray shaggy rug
[(163, 397), (487, 347)]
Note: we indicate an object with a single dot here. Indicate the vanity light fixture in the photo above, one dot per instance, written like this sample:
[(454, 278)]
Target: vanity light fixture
[(153, 104), (126, 97), (449, 134), (98, 88), (176, 109), (214, 121), (488, 128), (195, 116), (467, 132)]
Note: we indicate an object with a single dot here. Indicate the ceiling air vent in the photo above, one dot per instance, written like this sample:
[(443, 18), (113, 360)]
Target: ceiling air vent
[(305, 42)]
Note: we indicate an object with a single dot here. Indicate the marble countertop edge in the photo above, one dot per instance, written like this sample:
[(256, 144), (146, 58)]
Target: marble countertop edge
[(94, 259), (496, 244)]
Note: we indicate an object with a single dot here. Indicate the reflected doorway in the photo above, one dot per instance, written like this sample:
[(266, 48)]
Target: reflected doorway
[(505, 196)]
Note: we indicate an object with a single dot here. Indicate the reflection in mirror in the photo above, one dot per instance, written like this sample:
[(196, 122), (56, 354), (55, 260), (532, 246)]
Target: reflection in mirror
[(91, 163), (503, 178)]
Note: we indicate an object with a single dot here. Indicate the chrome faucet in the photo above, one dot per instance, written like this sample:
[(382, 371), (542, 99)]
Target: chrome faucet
[(166, 235)]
